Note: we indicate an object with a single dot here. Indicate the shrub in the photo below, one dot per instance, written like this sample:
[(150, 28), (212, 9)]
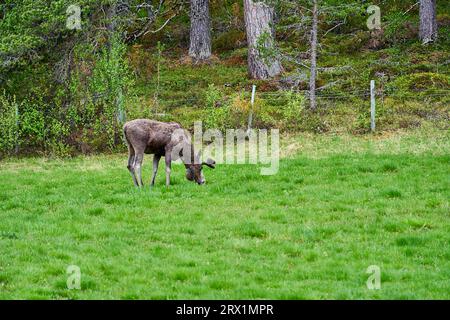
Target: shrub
[(283, 110), (291, 112), (32, 123), (422, 81), (218, 118), (8, 124), (354, 43), (212, 96), (313, 121), (100, 90), (58, 131), (217, 110), (229, 40)]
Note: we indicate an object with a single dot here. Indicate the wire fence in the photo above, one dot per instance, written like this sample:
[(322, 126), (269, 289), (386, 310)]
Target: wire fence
[(389, 107), (424, 95)]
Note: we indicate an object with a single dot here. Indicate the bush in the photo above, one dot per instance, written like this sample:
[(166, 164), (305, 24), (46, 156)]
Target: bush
[(353, 43), (58, 131), (8, 124), (422, 81), (32, 123), (283, 111), (100, 91), (291, 112), (313, 121), (229, 40), (217, 111)]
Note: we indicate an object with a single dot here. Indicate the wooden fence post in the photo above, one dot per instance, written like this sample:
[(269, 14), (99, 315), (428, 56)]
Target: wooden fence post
[(372, 105), (250, 115), (16, 111)]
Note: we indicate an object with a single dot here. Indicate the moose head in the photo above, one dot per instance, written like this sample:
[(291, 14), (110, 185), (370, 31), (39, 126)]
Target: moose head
[(194, 171)]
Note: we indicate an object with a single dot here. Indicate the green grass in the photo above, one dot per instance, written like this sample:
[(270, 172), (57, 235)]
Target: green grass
[(337, 206)]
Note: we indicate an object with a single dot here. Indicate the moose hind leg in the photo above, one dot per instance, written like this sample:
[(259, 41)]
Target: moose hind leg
[(137, 167), (130, 166)]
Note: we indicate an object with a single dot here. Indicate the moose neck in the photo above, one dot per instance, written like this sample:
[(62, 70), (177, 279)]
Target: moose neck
[(192, 158)]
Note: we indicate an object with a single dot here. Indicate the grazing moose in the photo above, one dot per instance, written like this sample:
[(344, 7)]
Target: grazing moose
[(162, 139)]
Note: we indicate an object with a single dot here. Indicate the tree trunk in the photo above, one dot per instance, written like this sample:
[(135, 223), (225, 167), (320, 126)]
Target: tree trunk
[(428, 23), (259, 22), (313, 71), (200, 47)]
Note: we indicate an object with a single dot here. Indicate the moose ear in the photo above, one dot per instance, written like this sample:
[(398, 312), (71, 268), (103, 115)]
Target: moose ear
[(210, 163)]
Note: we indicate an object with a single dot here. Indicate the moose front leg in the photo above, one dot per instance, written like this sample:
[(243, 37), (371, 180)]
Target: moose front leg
[(168, 159)]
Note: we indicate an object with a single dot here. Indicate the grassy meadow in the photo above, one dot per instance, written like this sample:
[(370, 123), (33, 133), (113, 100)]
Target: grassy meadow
[(337, 205)]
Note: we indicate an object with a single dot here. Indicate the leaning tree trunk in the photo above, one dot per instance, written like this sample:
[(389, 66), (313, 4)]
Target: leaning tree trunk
[(260, 33), (428, 23), (313, 71), (200, 47)]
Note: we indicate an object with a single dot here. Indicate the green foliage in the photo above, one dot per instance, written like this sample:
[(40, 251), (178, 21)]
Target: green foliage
[(212, 96), (111, 79), (229, 40), (266, 48), (30, 28), (58, 133), (159, 61), (35, 127), (425, 82), (313, 121), (74, 89), (8, 123), (283, 110), (100, 91), (396, 22), (354, 43), (217, 111), (32, 122), (291, 111), (89, 112), (218, 118)]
